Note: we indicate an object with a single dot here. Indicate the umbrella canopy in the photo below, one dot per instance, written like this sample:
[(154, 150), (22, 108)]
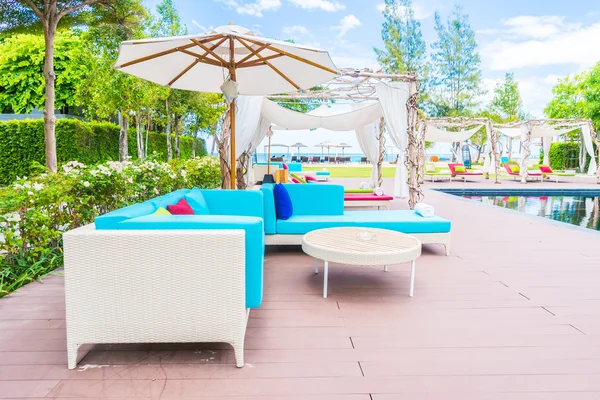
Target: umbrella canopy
[(203, 62), (327, 145), (344, 146), (298, 145), (231, 59)]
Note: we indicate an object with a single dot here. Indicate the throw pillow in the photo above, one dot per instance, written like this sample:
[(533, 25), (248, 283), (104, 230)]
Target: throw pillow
[(295, 180), (283, 202), (545, 169), (181, 208), (298, 177), (430, 168), (310, 178), (196, 200), (514, 168), (160, 212), (285, 166), (459, 168)]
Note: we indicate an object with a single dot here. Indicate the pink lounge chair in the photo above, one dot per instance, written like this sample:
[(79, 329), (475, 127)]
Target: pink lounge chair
[(367, 200), (514, 170), (455, 170)]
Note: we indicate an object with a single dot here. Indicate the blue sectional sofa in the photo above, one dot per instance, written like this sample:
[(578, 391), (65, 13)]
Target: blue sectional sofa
[(223, 209), (322, 206)]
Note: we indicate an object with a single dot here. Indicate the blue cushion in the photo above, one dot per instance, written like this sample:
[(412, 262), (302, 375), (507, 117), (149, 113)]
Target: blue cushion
[(295, 167), (269, 209), (112, 219), (169, 198), (247, 203), (196, 200), (323, 173), (255, 245), (283, 203), (404, 221), (320, 199)]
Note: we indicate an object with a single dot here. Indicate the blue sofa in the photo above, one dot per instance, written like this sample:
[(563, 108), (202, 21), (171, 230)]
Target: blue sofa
[(223, 209), (322, 206)]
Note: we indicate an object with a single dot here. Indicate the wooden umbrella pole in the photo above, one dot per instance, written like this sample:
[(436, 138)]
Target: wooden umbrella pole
[(232, 115)]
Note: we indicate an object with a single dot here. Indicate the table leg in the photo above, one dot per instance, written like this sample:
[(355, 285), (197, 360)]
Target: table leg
[(385, 269), (412, 278), (325, 274), (316, 265)]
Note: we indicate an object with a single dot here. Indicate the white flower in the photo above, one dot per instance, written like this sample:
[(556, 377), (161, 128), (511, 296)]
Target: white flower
[(86, 184), (130, 180), (183, 173), (30, 193), (31, 201), (156, 191), (38, 186)]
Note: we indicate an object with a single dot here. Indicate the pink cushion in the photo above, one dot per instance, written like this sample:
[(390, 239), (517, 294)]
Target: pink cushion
[(545, 169), (366, 197), (181, 208), (310, 178), (285, 166), (295, 180)]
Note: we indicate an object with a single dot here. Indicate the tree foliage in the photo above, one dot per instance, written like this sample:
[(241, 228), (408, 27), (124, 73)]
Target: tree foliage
[(456, 63), (507, 99), (569, 99), (404, 47), (21, 65)]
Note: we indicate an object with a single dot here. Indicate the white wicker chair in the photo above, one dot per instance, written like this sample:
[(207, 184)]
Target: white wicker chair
[(155, 286)]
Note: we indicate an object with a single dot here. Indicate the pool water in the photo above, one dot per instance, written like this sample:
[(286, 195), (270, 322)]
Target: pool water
[(575, 210)]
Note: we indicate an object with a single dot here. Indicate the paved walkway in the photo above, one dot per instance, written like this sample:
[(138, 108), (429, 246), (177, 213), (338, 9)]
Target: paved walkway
[(512, 314)]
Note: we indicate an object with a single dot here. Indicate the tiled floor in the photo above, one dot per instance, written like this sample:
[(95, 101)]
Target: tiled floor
[(513, 313)]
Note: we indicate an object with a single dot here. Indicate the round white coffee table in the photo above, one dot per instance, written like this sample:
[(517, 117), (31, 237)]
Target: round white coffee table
[(361, 246)]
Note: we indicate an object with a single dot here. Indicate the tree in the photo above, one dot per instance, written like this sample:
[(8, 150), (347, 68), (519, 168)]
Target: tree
[(507, 99), (22, 59), (591, 95), (456, 65), (24, 14), (203, 113), (568, 98), (404, 47), (168, 23)]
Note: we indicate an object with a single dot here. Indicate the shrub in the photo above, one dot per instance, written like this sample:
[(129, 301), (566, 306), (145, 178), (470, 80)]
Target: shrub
[(35, 212), (22, 145), (565, 155)]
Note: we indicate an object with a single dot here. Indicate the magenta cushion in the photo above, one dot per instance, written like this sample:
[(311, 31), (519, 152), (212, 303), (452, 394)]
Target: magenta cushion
[(285, 166), (181, 208), (310, 178), (295, 180), (545, 169), (366, 197)]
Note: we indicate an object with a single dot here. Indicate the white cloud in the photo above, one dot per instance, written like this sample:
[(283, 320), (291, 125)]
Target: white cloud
[(254, 8), (296, 29), (201, 27), (542, 41), (325, 5), (347, 23)]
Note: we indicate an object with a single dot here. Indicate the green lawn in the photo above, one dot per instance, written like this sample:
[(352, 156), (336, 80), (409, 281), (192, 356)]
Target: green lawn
[(351, 172)]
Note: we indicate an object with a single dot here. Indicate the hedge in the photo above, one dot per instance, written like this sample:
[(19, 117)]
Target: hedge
[(565, 155), (35, 212), (22, 145)]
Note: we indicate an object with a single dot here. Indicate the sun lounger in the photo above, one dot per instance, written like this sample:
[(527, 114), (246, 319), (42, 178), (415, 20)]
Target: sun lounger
[(367, 200), (514, 170), (435, 173), (459, 170), (548, 173)]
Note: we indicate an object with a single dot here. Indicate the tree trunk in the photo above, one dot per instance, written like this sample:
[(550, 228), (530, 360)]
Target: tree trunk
[(169, 148), (147, 133), (177, 150), (123, 145), (49, 78), (194, 143), (139, 135)]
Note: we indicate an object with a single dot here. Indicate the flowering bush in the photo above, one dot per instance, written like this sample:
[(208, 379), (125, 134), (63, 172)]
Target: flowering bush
[(35, 212)]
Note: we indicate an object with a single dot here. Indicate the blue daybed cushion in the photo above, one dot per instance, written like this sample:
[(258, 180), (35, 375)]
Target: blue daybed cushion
[(196, 200), (283, 202)]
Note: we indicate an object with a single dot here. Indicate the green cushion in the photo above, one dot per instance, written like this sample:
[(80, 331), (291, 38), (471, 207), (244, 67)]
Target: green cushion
[(301, 179), (514, 168), (430, 168), (459, 168), (160, 212)]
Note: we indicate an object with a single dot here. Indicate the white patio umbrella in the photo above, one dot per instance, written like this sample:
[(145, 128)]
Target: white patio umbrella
[(344, 146), (229, 59), (327, 145), (298, 145)]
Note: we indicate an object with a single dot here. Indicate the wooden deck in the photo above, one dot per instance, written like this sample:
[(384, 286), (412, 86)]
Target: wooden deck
[(512, 314)]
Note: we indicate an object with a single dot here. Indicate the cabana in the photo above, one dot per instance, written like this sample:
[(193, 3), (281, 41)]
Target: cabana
[(379, 101), (546, 129), (430, 130)]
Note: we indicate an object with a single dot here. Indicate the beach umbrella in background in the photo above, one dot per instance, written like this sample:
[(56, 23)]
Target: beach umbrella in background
[(344, 146), (327, 145), (229, 59), (298, 145)]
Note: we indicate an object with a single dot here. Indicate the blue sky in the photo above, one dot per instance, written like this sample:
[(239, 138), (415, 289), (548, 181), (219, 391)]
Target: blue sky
[(539, 40)]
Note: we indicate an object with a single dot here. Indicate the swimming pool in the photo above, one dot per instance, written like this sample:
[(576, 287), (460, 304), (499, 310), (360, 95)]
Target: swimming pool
[(576, 207)]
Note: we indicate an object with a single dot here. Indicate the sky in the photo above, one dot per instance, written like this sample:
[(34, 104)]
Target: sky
[(539, 41)]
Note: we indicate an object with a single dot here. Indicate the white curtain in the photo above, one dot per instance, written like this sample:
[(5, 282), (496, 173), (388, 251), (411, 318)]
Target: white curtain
[(259, 135), (547, 142), (367, 140), (393, 97), (510, 132), (435, 134), (247, 118), (542, 131), (323, 117), (589, 147)]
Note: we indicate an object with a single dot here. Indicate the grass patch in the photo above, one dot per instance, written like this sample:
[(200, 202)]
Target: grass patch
[(351, 172)]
